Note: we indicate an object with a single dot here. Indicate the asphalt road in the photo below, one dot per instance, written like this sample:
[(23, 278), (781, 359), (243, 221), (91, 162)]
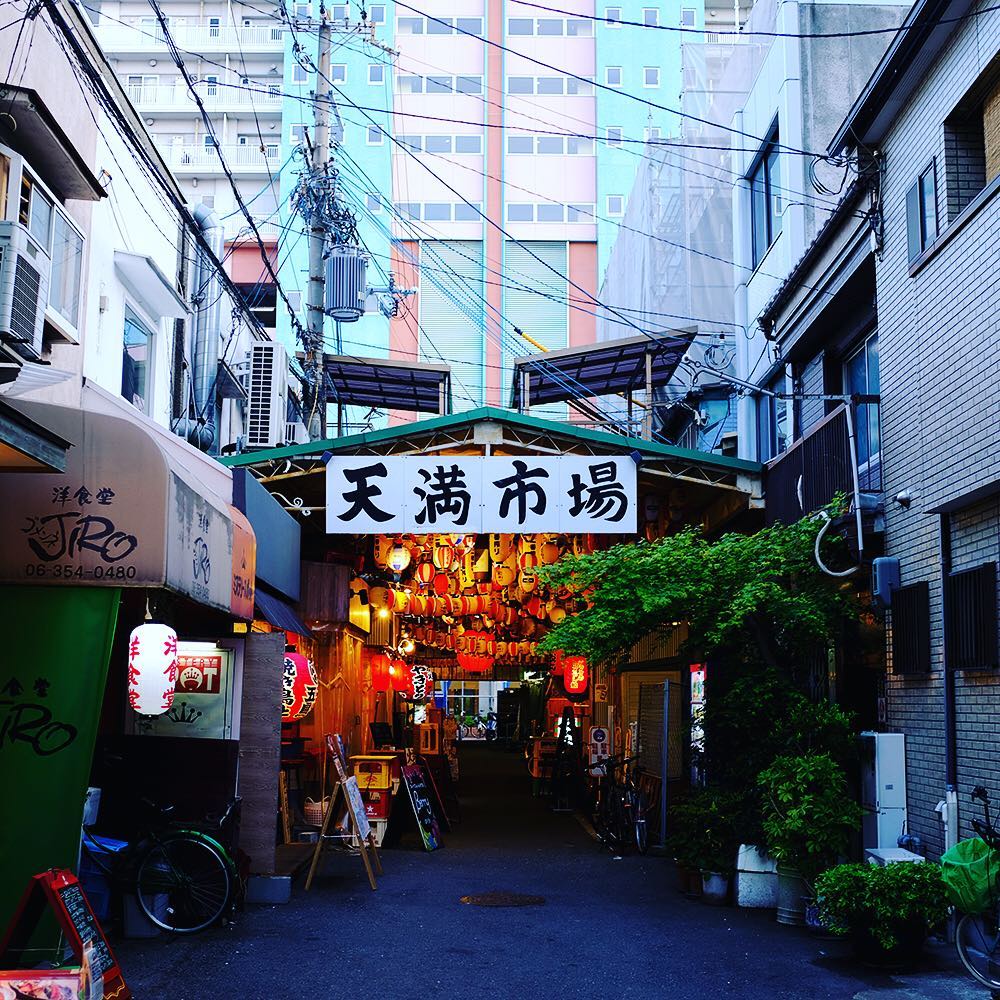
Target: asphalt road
[(606, 929)]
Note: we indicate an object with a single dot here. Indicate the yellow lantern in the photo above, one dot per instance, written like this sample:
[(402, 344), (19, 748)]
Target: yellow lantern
[(383, 546), (500, 546), (557, 614), (528, 580), (505, 573)]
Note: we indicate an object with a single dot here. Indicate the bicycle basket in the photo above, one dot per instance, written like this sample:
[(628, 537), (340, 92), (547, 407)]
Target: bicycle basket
[(970, 870)]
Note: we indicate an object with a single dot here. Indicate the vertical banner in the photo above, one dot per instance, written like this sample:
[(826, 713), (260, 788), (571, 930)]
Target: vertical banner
[(57, 641)]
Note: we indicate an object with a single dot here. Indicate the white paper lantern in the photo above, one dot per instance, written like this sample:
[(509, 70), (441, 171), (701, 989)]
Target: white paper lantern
[(152, 668)]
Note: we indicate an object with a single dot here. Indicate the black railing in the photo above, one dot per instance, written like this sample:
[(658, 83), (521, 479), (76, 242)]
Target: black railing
[(817, 467)]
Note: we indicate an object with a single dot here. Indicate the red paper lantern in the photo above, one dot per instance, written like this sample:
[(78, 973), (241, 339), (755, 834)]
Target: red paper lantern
[(402, 678), (380, 673), (576, 674), (424, 573), (152, 668), (299, 688)]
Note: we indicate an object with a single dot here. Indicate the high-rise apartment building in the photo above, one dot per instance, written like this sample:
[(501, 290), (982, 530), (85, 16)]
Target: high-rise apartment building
[(496, 186), (234, 54)]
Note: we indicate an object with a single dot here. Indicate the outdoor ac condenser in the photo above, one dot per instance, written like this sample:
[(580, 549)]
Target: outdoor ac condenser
[(25, 268), (267, 391), (883, 788)]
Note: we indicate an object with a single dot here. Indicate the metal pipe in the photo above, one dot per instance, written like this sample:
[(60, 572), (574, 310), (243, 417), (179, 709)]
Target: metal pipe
[(207, 332), (950, 728)]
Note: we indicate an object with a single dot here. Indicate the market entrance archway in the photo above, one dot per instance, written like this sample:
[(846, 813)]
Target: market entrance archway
[(422, 546)]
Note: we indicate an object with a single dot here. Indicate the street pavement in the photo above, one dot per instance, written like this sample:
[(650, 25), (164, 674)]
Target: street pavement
[(607, 929)]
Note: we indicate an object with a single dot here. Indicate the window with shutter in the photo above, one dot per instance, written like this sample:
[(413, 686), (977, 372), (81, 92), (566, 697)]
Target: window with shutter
[(911, 629), (921, 212), (970, 618)]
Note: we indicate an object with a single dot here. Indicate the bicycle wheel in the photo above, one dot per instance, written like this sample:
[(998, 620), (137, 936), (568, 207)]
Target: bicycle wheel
[(977, 940), (184, 883), (639, 809)]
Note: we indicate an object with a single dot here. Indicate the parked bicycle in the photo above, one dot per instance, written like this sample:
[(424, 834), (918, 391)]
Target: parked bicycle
[(621, 807), (183, 878)]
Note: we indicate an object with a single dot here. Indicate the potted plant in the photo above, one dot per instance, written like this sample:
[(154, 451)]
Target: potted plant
[(808, 818), (887, 911)]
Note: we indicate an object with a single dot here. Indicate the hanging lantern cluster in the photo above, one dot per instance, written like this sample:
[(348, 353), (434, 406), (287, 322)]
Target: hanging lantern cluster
[(299, 688), (152, 668)]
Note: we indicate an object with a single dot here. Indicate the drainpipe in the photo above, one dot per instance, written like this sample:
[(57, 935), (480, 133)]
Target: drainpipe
[(950, 813), (206, 336)]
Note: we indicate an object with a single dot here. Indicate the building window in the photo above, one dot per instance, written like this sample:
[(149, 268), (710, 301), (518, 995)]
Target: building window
[(408, 210), (550, 26), (302, 10), (650, 17), (653, 133), (376, 13), (615, 205), (339, 12), (581, 88), (376, 73), (468, 212), (613, 135), (579, 146), (297, 134), (550, 213), (550, 145), (613, 17), (409, 25), (374, 136), (520, 85), (550, 85), (651, 76), (579, 213), (469, 144), (137, 343), (613, 76), (970, 618), (765, 199), (67, 262), (861, 378), (410, 84), (521, 26), (772, 420), (520, 144), (373, 202), (299, 74), (469, 26), (520, 213), (437, 212), (338, 73), (468, 85), (579, 27), (689, 17), (438, 144), (921, 212)]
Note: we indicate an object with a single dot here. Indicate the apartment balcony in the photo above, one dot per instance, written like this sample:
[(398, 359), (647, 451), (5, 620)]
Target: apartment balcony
[(218, 98), (242, 160), (238, 231), (201, 38), (819, 465)]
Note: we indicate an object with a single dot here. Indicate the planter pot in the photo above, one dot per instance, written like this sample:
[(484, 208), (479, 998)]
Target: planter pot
[(756, 879), (792, 893), (688, 880), (910, 938), (715, 888)]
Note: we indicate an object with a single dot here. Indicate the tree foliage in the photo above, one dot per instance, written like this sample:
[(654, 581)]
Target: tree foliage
[(760, 593)]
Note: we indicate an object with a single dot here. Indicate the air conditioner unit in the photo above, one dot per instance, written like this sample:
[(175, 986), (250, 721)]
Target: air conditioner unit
[(267, 392), (296, 432), (24, 287)]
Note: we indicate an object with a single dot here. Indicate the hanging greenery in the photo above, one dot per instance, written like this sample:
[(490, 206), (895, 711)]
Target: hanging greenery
[(760, 594)]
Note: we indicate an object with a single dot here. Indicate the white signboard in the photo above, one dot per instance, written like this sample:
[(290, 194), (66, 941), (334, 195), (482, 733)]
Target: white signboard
[(569, 494), (600, 745)]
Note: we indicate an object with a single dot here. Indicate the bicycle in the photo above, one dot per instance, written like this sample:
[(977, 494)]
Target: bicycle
[(977, 936), (620, 814), (183, 878)]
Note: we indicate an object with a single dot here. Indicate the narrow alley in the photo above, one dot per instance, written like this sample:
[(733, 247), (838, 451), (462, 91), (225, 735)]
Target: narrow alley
[(607, 928)]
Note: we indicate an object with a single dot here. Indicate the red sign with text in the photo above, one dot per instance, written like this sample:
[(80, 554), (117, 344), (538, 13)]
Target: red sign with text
[(199, 674)]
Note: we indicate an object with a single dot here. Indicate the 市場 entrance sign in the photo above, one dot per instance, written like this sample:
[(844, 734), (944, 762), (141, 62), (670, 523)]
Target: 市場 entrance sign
[(569, 494)]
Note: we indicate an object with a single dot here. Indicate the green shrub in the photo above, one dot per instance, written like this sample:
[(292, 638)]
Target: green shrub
[(808, 812), (703, 831), (878, 900)]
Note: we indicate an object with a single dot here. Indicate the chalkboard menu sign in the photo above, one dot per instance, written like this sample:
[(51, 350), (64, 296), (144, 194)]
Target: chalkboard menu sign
[(87, 929), (421, 798), (63, 894)]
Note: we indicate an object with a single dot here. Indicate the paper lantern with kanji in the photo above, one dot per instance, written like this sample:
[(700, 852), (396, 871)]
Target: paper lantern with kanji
[(402, 678), (576, 674), (299, 688), (152, 668)]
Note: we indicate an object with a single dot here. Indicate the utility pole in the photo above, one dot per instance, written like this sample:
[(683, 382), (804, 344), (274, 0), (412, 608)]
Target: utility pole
[(316, 291)]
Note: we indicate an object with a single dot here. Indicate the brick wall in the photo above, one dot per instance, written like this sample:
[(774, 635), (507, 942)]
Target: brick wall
[(939, 337)]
